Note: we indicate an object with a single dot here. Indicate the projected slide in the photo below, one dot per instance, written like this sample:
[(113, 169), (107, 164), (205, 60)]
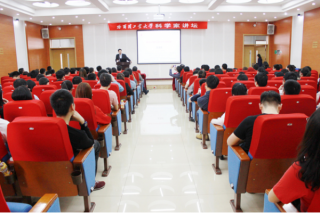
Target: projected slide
[(159, 46)]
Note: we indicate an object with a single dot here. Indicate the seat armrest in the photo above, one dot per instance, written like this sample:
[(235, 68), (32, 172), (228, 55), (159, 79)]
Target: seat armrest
[(216, 139), (103, 128), (83, 154), (203, 121), (241, 154), (272, 207), (115, 113), (45, 202), (204, 112)]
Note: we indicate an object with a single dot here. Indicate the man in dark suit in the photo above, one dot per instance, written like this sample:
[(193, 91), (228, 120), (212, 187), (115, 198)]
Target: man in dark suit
[(122, 57)]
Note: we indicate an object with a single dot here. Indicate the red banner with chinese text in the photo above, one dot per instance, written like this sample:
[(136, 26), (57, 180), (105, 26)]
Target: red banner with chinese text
[(158, 25)]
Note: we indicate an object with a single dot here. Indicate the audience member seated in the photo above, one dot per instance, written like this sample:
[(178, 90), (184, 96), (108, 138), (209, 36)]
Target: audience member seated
[(242, 77), (205, 67), (92, 76), (66, 71), (245, 68), (120, 76), (224, 67), (216, 67), (39, 76), (30, 85), (276, 68), (105, 81), (43, 81), (177, 74), (201, 74), (19, 82), (287, 76), (64, 107), (76, 80), (261, 79), (198, 94), (237, 89), (279, 74), (213, 70), (14, 75), (255, 67), (42, 71), (291, 87), (119, 68), (218, 71), (91, 70), (262, 70), (301, 181), (72, 71), (114, 70), (67, 85), (33, 74), (99, 68), (3, 101), (305, 72), (195, 73), (21, 70), (21, 93), (60, 75), (83, 73), (132, 83), (270, 103), (84, 91)]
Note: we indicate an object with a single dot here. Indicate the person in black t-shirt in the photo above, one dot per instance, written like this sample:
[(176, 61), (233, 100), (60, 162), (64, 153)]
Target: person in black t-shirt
[(270, 103), (63, 105)]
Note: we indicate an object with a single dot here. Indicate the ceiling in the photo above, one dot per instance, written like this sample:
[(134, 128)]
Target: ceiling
[(104, 11)]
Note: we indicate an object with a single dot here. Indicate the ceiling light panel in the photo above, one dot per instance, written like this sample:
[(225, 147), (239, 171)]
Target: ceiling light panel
[(45, 4), (190, 1), (125, 2), (269, 1), (158, 1), (77, 3), (237, 1)]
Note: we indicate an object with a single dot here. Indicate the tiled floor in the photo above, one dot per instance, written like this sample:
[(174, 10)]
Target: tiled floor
[(161, 167)]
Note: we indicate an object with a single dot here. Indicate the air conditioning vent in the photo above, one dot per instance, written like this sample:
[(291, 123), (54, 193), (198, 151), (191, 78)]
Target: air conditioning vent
[(270, 30), (45, 33)]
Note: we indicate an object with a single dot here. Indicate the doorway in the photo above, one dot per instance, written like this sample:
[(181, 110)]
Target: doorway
[(61, 58), (254, 45)]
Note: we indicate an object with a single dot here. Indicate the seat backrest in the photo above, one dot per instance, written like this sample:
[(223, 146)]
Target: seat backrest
[(124, 92), (232, 74), (7, 89), (8, 96), (7, 84), (240, 107), (57, 84), (127, 80), (51, 79), (251, 74), (308, 82), (277, 78), (277, 136), (298, 104), (186, 76), (38, 89), (274, 83), (248, 84), (114, 87), (91, 82), (101, 99), (29, 108), (114, 74), (45, 98), (309, 78), (74, 90), (210, 73), (309, 90), (260, 90), (229, 80), (218, 99), (39, 139), (270, 76), (220, 76), (136, 76), (196, 85), (192, 79)]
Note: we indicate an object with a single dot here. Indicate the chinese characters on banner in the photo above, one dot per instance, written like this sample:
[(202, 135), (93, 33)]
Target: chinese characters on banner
[(158, 25)]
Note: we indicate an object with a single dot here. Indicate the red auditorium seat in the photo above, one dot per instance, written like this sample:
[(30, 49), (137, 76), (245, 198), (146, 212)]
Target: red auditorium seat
[(7, 84), (232, 74), (38, 89), (91, 82), (308, 82), (57, 84), (229, 80), (74, 90), (260, 90), (251, 74), (8, 96), (277, 78), (7, 89), (192, 79), (210, 73), (15, 109), (196, 85), (248, 84), (45, 98), (298, 104), (220, 76), (123, 94), (275, 83), (309, 90)]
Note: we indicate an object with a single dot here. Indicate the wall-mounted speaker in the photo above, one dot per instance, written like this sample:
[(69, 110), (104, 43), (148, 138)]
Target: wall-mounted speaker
[(45, 33), (270, 30)]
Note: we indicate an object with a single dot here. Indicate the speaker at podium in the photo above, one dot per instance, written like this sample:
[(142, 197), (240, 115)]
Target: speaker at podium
[(124, 65)]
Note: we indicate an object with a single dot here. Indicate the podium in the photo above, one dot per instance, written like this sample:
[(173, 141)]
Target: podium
[(124, 65)]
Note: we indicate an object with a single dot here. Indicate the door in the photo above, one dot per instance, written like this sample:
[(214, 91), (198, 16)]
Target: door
[(249, 55), (263, 51), (61, 58)]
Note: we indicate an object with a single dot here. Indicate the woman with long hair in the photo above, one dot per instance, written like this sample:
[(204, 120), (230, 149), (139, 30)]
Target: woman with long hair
[(84, 91), (259, 60), (83, 73), (301, 181)]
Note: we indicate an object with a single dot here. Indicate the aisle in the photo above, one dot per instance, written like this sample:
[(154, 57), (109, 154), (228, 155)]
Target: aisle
[(161, 167)]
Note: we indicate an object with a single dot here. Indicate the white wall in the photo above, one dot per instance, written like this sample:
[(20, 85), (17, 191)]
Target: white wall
[(21, 44), (296, 40), (212, 46)]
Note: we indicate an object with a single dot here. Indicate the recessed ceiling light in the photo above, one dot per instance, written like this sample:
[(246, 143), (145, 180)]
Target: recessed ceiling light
[(41, 21), (298, 9), (50, 24), (194, 13), (275, 17), (218, 13), (158, 1), (190, 1), (45, 4), (82, 19), (122, 14), (255, 17), (88, 22), (248, 20), (228, 19), (108, 21), (264, 13), (76, 16), (237, 1), (128, 21), (190, 16), (169, 17), (77, 3), (212, 17), (53, 17), (146, 14), (30, 18), (61, 20), (234, 17), (208, 19), (104, 19), (1, 8), (126, 18), (286, 13), (69, 23), (313, 3), (266, 19), (269, 1), (188, 20), (18, 14), (241, 14)]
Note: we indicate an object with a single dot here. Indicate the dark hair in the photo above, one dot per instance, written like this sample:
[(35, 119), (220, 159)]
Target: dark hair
[(212, 81), (284, 71), (87, 70), (291, 68), (242, 77), (113, 69), (308, 156), (109, 70), (245, 68), (14, 74), (261, 79), (186, 69), (305, 72), (42, 71), (136, 68), (203, 80), (276, 66), (179, 69), (25, 73), (61, 100), (31, 84), (33, 74), (66, 71), (99, 68), (119, 68), (239, 89), (291, 87), (224, 66), (129, 70), (91, 70), (206, 67), (84, 91), (39, 76), (195, 72), (271, 97), (279, 74), (49, 68), (76, 80), (265, 65), (261, 69), (72, 70), (217, 67), (309, 68), (201, 74), (21, 70), (101, 72), (218, 71), (280, 66), (212, 70), (83, 73), (259, 56), (105, 80), (120, 76), (21, 93), (68, 85), (60, 74), (92, 76), (19, 82), (256, 66), (43, 81), (119, 49), (290, 75), (126, 74)]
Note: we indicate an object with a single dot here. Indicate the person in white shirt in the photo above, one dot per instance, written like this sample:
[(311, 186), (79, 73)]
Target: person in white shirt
[(287, 76), (195, 73), (237, 89)]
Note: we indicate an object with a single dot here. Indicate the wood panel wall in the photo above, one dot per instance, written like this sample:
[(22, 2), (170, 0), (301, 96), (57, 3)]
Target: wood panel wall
[(311, 33), (8, 58), (37, 49), (70, 31), (281, 40)]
